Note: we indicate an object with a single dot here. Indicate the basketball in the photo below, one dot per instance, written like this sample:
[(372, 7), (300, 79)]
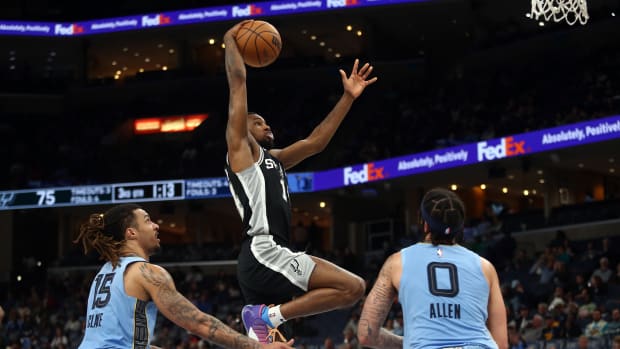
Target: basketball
[(259, 43)]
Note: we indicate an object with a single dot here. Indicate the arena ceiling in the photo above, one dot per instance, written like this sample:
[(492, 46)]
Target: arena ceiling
[(436, 31)]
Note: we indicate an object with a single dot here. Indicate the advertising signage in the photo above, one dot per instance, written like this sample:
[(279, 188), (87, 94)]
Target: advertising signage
[(206, 188), (472, 153), (182, 17), (26, 28)]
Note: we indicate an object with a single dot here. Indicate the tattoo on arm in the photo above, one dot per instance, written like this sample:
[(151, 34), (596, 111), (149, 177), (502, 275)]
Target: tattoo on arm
[(375, 311), (182, 312)]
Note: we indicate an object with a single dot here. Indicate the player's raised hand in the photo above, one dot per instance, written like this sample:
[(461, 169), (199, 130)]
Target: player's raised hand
[(355, 83)]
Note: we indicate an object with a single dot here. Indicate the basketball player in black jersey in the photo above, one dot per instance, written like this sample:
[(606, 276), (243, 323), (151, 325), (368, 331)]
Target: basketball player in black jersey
[(268, 271)]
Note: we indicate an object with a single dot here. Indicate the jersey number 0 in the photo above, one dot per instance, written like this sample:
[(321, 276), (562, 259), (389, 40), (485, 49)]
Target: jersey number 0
[(443, 279)]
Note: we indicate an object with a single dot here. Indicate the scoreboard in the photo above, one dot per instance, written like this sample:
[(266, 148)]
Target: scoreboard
[(177, 189), (95, 194)]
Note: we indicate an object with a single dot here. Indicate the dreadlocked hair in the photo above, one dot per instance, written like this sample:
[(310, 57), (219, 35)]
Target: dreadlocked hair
[(105, 232), (444, 212)]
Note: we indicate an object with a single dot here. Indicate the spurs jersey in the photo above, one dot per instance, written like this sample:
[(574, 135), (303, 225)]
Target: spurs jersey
[(261, 196), (115, 320), (444, 295)]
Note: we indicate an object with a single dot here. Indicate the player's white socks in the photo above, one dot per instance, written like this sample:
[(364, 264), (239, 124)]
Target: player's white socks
[(275, 316)]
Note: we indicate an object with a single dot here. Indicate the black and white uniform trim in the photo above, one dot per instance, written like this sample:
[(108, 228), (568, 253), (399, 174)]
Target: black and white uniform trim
[(262, 199)]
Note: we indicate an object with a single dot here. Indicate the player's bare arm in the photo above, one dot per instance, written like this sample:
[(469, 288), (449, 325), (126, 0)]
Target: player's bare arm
[(376, 307), (496, 323), (160, 287), (353, 85), (237, 140)]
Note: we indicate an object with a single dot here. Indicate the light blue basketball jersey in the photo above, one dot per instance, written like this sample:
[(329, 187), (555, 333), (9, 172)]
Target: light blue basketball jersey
[(444, 295), (115, 320)]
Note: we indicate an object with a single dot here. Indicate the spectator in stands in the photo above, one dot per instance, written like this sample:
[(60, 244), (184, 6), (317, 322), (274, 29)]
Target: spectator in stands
[(557, 311), (590, 254), (561, 276), (542, 309), (515, 340), (579, 284), (603, 271), (598, 289), (520, 262), (564, 254), (558, 293), (73, 324), (504, 250), (59, 340), (571, 328), (518, 296), (607, 250), (523, 319), (534, 331), (615, 343), (551, 329), (544, 268), (596, 328), (582, 342), (586, 306), (613, 326)]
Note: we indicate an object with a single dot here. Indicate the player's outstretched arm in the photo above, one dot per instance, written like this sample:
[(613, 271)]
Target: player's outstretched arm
[(376, 307), (354, 85), (159, 285), (239, 151)]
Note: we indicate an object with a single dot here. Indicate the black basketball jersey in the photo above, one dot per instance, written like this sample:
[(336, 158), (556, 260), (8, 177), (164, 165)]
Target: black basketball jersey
[(262, 198)]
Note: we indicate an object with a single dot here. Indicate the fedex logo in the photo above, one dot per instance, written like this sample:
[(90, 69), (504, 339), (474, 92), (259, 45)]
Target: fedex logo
[(341, 3), (153, 21), (70, 29), (367, 173), (508, 146), (246, 11)]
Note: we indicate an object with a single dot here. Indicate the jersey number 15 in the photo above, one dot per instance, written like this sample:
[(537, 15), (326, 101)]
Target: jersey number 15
[(102, 290)]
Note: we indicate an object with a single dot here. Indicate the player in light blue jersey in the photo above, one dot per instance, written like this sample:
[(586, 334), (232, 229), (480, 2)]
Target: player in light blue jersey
[(450, 296), (128, 290)]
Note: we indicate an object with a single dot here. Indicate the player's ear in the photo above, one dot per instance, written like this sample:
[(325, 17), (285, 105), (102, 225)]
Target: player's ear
[(131, 234)]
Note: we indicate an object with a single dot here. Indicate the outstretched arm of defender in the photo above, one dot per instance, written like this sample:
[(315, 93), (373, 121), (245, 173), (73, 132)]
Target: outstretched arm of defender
[(353, 85), (239, 151), (159, 285), (376, 308)]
